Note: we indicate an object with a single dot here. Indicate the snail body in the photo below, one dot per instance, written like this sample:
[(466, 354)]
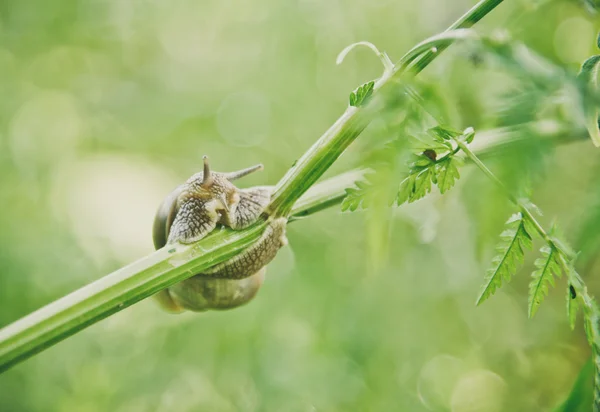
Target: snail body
[(191, 212)]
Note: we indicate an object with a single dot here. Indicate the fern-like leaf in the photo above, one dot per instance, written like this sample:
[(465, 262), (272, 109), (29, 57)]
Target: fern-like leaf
[(572, 306), (356, 197), (510, 254), (425, 169), (447, 173), (406, 189), (422, 184), (547, 266), (418, 182), (360, 96)]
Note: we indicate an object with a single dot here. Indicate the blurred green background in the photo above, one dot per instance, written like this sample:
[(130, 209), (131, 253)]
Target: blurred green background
[(107, 105)]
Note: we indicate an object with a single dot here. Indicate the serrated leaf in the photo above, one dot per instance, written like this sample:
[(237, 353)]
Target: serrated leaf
[(447, 173), (547, 267), (510, 254), (572, 306), (422, 184), (355, 197), (352, 99), (406, 189), (360, 96)]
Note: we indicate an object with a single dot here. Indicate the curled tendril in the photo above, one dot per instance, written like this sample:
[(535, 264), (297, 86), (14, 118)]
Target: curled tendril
[(388, 66)]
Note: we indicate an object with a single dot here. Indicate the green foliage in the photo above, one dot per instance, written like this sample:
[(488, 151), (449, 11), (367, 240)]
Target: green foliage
[(515, 239), (418, 182), (361, 95), (547, 266), (425, 170), (572, 306), (447, 173), (356, 197), (588, 76)]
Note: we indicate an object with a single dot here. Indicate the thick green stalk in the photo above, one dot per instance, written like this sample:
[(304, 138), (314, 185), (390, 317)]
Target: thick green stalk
[(471, 17), (116, 291)]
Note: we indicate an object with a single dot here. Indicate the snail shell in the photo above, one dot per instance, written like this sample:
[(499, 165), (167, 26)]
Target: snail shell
[(192, 211)]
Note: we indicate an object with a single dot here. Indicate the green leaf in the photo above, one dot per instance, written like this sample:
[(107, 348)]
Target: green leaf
[(353, 99), (469, 134), (588, 75), (418, 183), (360, 96), (422, 184), (510, 254), (356, 198), (547, 267), (425, 169), (447, 173), (572, 306), (406, 189), (589, 69)]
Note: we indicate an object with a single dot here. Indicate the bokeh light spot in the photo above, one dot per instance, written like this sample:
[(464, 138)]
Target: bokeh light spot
[(569, 40)]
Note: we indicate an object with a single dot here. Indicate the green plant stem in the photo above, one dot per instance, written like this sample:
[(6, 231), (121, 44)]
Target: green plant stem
[(168, 266), (116, 291), (467, 20)]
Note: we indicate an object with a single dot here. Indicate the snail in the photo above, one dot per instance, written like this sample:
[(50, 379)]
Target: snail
[(192, 211)]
